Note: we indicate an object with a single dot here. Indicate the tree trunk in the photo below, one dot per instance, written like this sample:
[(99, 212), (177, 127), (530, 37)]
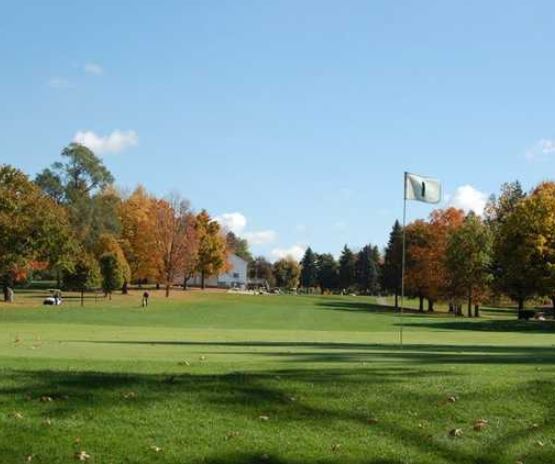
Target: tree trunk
[(469, 302), (82, 297), (451, 307), (124, 288), (421, 303), (476, 310), (8, 294), (553, 303), (202, 280), (521, 308), (167, 290), (157, 285), (397, 300), (430, 306), (185, 279)]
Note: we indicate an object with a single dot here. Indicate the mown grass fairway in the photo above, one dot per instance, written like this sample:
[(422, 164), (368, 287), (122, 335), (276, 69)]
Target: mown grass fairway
[(217, 378)]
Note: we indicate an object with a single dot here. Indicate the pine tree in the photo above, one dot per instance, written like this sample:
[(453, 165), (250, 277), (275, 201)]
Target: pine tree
[(391, 271), (367, 270), (347, 273), (309, 269)]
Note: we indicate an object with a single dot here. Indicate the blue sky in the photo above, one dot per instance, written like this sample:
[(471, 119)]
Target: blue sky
[(293, 121)]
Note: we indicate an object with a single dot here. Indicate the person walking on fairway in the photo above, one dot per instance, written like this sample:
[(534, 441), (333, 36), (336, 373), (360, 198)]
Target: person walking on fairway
[(145, 299)]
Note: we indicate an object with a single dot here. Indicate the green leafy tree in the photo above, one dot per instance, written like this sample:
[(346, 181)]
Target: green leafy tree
[(287, 272), (347, 268), (260, 269), (309, 269), (85, 274), (82, 183), (238, 246), (33, 228), (391, 271), (468, 258), (112, 273)]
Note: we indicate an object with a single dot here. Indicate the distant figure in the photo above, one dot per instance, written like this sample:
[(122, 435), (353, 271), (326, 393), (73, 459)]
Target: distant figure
[(146, 295)]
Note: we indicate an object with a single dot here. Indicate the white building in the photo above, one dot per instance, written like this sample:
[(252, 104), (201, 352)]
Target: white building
[(236, 276)]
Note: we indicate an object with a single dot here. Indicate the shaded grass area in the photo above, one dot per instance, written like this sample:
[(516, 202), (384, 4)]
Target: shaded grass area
[(336, 415), (229, 379)]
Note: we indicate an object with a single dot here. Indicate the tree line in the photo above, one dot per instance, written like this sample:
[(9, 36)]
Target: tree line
[(72, 224), (469, 259)]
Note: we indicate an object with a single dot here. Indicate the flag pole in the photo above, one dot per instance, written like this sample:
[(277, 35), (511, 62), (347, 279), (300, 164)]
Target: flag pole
[(403, 259)]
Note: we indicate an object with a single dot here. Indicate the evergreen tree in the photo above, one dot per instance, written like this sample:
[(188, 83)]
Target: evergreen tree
[(328, 276), (366, 269), (347, 272), (309, 269), (391, 270)]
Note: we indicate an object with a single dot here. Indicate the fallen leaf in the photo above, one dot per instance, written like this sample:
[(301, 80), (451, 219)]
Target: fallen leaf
[(372, 421), (541, 444), (47, 421), (29, 458), (457, 433), (336, 447), (17, 415), (231, 435), (263, 418), (156, 449), (82, 456), (46, 399), (480, 425), (452, 399), (129, 395)]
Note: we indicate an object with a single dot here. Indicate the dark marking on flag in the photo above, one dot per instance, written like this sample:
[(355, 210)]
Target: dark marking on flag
[(423, 189)]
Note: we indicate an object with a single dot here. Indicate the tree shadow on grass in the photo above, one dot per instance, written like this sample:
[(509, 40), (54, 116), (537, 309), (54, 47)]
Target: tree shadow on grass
[(82, 395), (362, 352), (488, 325), (360, 306)]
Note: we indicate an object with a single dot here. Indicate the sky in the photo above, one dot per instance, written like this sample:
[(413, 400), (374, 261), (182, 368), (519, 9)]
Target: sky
[(292, 122)]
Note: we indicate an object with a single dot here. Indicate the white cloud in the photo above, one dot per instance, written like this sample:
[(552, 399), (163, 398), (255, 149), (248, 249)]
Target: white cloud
[(295, 251), (235, 222), (468, 198), (59, 83), (261, 237), (542, 149), (115, 142), (93, 68)]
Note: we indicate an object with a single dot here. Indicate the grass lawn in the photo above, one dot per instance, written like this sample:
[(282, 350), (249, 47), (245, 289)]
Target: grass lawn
[(218, 378)]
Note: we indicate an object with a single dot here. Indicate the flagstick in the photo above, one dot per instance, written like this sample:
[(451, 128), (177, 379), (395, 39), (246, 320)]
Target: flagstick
[(403, 263)]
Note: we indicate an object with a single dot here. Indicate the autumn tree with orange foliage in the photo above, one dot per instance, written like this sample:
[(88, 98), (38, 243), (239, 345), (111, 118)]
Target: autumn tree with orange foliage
[(138, 239), (175, 235), (427, 275), (212, 250)]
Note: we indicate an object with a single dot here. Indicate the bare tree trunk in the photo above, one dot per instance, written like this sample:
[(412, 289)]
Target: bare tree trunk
[(167, 290), (421, 303), (476, 310), (430, 305), (82, 297), (469, 302), (521, 308), (396, 300)]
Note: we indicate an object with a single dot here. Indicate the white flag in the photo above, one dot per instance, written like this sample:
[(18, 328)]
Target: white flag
[(420, 188)]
